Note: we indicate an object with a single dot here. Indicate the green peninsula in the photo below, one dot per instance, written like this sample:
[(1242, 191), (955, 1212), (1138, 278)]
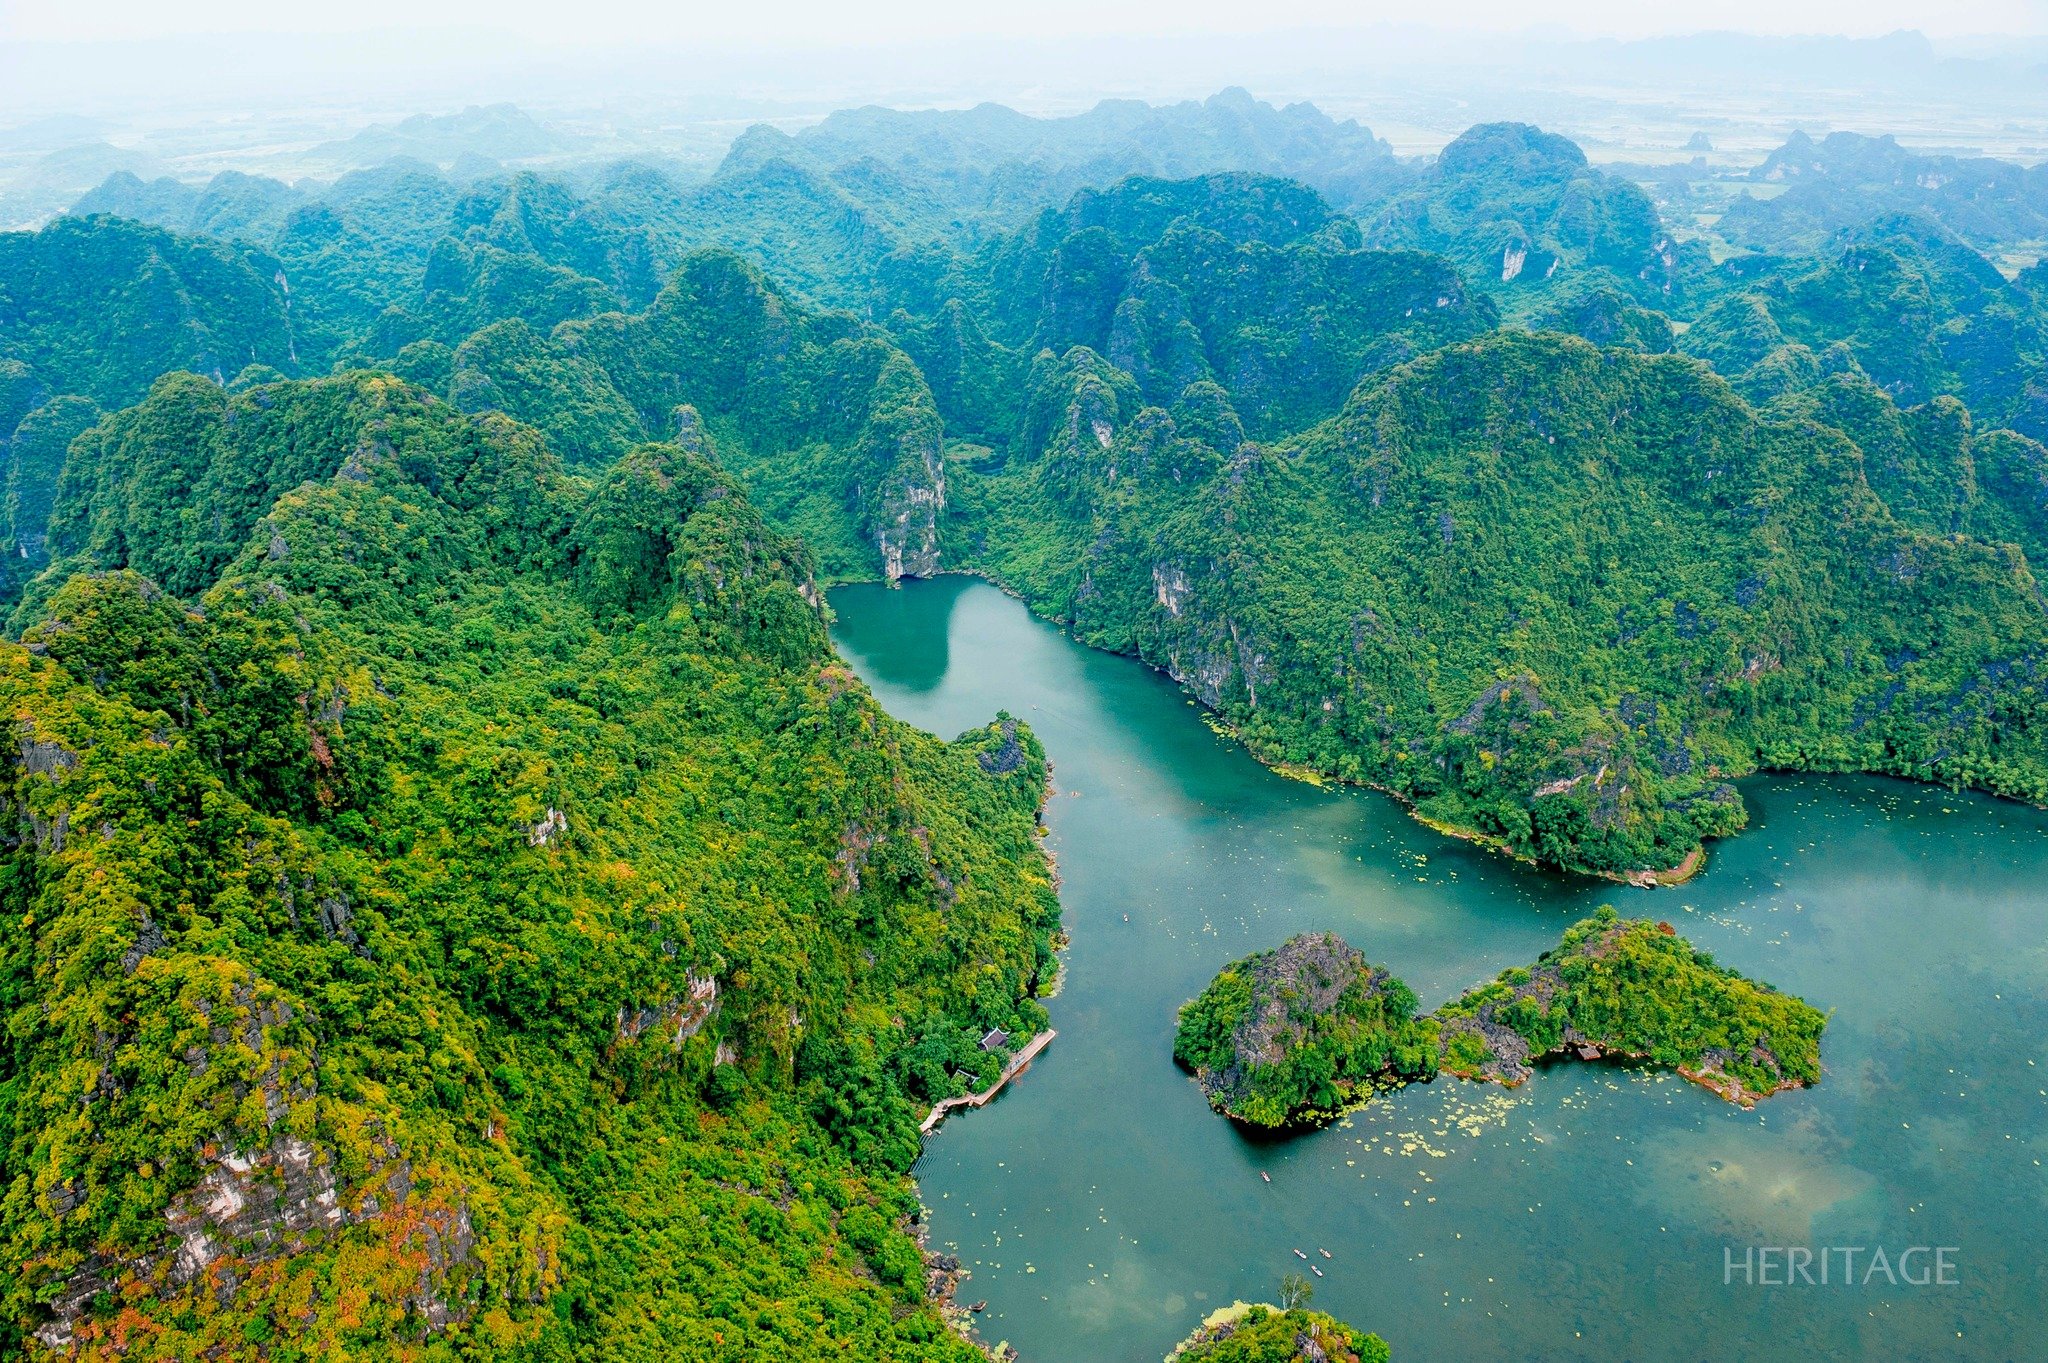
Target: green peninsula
[(1294, 1036)]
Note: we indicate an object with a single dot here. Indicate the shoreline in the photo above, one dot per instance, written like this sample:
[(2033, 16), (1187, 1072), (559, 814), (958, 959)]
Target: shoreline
[(1640, 877), (1019, 1062)]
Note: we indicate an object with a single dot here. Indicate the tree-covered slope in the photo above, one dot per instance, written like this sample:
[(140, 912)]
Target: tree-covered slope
[(231, 205), (831, 424), (1555, 596), (1521, 209), (1252, 283), (1633, 989), (1295, 1036), (1301, 1032), (35, 464), (1934, 467), (100, 306), (1915, 310), (820, 231), (525, 248), (92, 310), (402, 252), (459, 908)]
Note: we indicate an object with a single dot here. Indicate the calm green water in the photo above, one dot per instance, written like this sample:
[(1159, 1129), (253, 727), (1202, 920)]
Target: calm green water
[(1104, 1210)]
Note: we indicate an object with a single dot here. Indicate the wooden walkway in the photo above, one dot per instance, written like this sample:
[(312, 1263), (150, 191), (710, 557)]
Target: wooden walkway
[(1017, 1064)]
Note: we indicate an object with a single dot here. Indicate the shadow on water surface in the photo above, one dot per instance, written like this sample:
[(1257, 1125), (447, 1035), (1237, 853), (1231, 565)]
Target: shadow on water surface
[(902, 635)]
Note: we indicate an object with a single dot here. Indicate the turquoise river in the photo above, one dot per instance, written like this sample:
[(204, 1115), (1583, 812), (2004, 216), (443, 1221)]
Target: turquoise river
[(1596, 1211)]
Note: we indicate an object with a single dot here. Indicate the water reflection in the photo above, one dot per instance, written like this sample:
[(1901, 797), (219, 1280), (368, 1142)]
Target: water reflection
[(914, 622)]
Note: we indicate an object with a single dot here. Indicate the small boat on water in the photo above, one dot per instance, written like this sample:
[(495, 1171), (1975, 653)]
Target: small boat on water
[(978, 1307), (1317, 1271), (1299, 1255), (1266, 1176), (1325, 1253)]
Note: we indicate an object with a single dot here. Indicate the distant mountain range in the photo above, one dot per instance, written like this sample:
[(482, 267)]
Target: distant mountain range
[(1847, 179)]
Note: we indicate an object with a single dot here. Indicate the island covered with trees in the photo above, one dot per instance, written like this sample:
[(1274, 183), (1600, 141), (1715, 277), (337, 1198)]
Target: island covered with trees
[(1296, 1036)]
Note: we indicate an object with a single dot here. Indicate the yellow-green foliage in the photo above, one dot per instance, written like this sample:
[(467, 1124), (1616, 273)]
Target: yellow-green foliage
[(1636, 988), (411, 828), (1266, 1334)]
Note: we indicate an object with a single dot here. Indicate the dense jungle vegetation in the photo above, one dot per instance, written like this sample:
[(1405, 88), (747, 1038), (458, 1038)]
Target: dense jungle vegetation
[(1552, 595), (1635, 989), (1295, 1036), (441, 829), (1299, 1033), (482, 881)]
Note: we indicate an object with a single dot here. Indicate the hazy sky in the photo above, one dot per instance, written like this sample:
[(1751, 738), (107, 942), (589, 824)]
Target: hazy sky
[(614, 22)]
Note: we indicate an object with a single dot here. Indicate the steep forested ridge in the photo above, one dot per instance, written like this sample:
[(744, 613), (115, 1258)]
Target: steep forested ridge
[(1553, 595), (1133, 381), (1910, 307), (100, 306), (1249, 282), (457, 907), (820, 210), (988, 158), (1515, 205), (832, 424)]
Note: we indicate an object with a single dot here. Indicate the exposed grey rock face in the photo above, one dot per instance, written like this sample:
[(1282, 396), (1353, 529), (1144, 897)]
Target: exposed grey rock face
[(41, 757), (50, 828), (1204, 649), (689, 429), (148, 941), (902, 485), (1303, 979), (552, 826), (678, 1019), (255, 1203), (856, 841), (908, 533), (1006, 759)]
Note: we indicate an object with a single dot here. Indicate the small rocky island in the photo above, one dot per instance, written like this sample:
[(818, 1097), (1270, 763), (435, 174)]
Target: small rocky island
[(1267, 1334), (1295, 1036), (1635, 990)]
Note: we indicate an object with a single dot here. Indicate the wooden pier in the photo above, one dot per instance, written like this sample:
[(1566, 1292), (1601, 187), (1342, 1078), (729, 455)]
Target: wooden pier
[(1017, 1065)]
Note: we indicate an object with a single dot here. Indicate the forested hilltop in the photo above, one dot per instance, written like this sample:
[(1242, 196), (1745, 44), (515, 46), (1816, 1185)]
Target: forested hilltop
[(459, 906), (1553, 596)]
